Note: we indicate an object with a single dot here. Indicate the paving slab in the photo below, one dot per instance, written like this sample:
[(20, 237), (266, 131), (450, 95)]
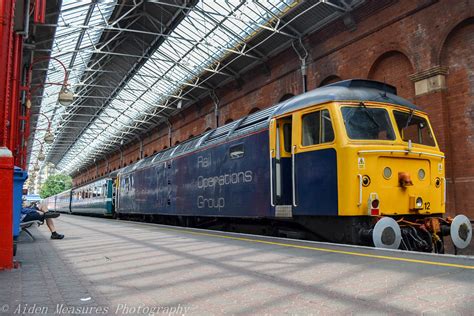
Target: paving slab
[(112, 267)]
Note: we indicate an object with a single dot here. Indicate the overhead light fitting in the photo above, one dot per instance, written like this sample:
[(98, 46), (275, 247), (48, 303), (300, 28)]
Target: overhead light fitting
[(41, 156), (48, 137), (66, 96)]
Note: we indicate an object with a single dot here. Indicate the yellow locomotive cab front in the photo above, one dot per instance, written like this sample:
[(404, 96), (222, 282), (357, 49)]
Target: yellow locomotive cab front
[(390, 167), (392, 157)]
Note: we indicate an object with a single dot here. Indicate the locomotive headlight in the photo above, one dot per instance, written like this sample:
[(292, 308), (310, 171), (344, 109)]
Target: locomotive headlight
[(365, 180), (387, 173), (421, 174), (419, 203), (437, 182)]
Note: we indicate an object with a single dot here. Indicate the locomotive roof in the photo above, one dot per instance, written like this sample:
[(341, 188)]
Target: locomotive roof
[(347, 90)]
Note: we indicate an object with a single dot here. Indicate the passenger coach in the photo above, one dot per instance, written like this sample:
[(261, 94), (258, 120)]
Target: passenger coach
[(95, 198)]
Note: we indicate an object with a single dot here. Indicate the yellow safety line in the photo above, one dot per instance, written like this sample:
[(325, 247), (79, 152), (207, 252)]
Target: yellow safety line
[(434, 263)]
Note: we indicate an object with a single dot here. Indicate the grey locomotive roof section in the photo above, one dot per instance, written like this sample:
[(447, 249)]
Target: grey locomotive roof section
[(347, 90)]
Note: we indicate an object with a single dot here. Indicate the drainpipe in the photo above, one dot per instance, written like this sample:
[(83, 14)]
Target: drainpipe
[(215, 100), (140, 153), (303, 56), (169, 131)]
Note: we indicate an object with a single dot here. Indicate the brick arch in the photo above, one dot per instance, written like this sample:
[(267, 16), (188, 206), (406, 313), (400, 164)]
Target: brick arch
[(394, 67), (286, 97), (457, 56), (329, 79), (449, 31), (253, 110)]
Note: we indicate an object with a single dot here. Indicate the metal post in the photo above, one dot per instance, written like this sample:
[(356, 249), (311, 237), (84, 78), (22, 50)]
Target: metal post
[(15, 99), (6, 209), (6, 38)]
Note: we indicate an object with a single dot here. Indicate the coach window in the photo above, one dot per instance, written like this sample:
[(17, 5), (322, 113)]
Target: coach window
[(317, 128)]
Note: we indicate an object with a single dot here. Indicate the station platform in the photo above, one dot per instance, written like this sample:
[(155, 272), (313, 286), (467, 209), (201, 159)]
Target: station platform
[(113, 267)]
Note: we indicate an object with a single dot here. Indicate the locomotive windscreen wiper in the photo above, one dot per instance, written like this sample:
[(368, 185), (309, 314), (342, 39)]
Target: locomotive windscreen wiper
[(369, 114), (409, 119)]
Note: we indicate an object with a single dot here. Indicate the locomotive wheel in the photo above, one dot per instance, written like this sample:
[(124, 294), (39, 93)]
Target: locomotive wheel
[(461, 231), (387, 234)]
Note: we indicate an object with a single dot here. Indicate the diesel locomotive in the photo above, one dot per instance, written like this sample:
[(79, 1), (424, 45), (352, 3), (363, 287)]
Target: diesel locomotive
[(351, 162)]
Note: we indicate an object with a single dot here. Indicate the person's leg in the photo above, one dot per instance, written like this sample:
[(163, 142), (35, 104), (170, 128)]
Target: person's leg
[(50, 224), (40, 216), (33, 216)]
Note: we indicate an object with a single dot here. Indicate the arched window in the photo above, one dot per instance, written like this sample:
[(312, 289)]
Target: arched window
[(190, 136), (176, 143), (229, 120)]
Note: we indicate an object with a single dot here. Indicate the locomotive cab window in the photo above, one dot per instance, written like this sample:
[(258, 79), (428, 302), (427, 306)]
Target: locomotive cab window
[(363, 123), (317, 128), (126, 184), (236, 151), (414, 128)]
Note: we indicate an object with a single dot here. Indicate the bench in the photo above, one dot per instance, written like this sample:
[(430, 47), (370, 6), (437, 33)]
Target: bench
[(25, 225)]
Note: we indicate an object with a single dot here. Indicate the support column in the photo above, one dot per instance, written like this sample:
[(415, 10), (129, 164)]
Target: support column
[(430, 95), (6, 209)]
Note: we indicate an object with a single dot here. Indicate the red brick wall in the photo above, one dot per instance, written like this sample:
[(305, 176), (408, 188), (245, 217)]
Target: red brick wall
[(394, 68), (458, 55), (393, 40)]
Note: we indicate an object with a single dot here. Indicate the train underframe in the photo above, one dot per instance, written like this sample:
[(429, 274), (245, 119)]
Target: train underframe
[(424, 234)]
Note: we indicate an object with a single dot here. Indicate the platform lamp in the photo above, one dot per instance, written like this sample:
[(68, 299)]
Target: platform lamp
[(66, 95), (48, 136), (41, 155)]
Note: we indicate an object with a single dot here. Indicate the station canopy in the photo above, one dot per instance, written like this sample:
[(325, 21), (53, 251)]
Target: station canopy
[(133, 64)]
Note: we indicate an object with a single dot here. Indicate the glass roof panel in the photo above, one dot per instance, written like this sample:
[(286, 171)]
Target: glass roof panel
[(72, 19), (208, 33)]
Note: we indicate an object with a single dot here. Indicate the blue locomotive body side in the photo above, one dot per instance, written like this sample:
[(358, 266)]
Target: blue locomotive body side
[(316, 183), (230, 179)]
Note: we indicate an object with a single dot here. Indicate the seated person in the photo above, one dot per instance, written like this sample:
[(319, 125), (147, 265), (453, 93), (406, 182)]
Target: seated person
[(33, 213)]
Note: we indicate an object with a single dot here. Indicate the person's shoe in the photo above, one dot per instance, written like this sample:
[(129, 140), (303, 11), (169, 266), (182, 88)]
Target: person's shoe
[(55, 235)]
